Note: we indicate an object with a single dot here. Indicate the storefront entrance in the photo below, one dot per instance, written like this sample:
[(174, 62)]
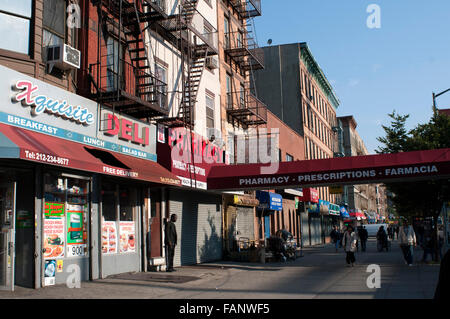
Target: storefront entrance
[(7, 238), (16, 228)]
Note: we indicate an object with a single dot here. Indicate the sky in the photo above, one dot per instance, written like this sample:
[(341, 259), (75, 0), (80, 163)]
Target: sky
[(373, 71)]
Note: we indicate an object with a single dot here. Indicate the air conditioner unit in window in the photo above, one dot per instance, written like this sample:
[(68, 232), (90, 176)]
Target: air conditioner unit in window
[(212, 63), (63, 56)]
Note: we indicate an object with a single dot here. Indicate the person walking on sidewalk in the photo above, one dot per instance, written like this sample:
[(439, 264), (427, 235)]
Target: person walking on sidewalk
[(408, 241), (170, 241), (363, 236), (335, 236), (349, 242)]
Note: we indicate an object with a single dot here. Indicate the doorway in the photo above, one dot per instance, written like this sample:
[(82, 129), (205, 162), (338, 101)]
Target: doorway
[(16, 228)]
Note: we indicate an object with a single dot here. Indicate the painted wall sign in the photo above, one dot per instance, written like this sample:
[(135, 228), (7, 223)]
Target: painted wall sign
[(42, 103)]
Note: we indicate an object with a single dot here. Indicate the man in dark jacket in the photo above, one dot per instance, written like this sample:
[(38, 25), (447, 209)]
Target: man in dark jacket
[(170, 241), (363, 235), (335, 237), (443, 287)]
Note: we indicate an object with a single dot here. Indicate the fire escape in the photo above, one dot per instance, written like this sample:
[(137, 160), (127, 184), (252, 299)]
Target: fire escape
[(197, 41), (122, 78), (241, 48)]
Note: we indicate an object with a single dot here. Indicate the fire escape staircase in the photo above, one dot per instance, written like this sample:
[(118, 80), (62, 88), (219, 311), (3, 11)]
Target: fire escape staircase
[(136, 92), (195, 48)]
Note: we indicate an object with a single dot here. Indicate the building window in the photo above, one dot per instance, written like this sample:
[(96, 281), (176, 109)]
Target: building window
[(242, 96), (209, 112), (15, 24), (54, 26), (289, 158), (114, 64), (161, 75), (226, 32), (208, 30), (229, 94)]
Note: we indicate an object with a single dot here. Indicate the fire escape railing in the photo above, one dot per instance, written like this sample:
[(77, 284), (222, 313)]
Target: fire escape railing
[(244, 50), (247, 8), (122, 77), (190, 19), (246, 108), (130, 82)]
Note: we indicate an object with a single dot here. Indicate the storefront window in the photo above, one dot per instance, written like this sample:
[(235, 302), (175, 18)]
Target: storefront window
[(66, 208), (118, 230), (109, 205), (126, 209)]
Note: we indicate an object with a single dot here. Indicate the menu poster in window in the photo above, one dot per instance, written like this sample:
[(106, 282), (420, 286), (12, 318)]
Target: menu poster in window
[(54, 233), (109, 239), (76, 243), (127, 237)]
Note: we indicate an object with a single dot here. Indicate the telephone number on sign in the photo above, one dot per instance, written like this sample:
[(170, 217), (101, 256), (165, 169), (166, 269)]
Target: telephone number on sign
[(47, 158)]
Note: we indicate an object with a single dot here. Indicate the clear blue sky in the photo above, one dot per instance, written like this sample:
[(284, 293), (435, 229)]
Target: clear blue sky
[(373, 71)]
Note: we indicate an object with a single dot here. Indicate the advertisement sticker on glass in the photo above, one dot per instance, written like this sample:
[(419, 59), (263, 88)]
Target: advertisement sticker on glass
[(76, 243), (50, 272), (127, 237), (109, 238)]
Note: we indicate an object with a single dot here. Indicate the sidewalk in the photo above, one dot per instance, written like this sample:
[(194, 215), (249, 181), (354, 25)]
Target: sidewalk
[(320, 273)]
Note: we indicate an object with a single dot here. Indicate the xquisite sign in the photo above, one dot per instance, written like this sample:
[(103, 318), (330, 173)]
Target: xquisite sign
[(41, 103)]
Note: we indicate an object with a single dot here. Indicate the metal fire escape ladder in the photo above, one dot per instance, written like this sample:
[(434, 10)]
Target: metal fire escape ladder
[(126, 83), (194, 56)]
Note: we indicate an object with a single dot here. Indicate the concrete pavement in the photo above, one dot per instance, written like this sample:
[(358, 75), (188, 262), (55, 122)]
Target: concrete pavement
[(321, 273)]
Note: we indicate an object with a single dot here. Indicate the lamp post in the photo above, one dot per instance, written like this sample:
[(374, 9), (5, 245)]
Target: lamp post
[(435, 96)]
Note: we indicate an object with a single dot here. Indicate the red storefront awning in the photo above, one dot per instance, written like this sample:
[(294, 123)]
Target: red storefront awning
[(358, 215), (37, 147), (335, 171)]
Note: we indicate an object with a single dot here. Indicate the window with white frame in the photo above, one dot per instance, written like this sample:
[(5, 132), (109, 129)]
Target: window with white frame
[(209, 111), (15, 25), (54, 24)]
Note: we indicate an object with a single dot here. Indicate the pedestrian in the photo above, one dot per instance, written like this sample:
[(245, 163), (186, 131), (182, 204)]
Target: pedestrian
[(397, 229), (335, 237), (170, 241), (442, 292), (391, 232), (428, 245), (349, 243), (407, 242), (363, 236), (382, 240)]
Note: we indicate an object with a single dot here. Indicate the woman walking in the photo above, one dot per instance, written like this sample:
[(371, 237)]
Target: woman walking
[(349, 242)]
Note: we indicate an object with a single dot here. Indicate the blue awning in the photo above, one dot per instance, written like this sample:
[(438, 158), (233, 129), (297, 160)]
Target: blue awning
[(268, 200)]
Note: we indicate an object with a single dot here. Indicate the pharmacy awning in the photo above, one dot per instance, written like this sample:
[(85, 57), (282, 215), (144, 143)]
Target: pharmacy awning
[(405, 166)]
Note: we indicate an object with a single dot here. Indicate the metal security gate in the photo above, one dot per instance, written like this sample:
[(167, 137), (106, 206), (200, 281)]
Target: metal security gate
[(199, 226), (245, 223), (209, 229), (315, 229)]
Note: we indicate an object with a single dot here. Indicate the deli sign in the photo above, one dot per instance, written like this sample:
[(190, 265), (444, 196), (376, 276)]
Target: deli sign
[(127, 129)]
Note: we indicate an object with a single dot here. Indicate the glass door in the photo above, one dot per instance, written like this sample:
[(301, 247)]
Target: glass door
[(7, 235)]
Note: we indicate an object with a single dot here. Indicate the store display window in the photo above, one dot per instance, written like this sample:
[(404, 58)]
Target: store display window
[(66, 209), (118, 219)]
